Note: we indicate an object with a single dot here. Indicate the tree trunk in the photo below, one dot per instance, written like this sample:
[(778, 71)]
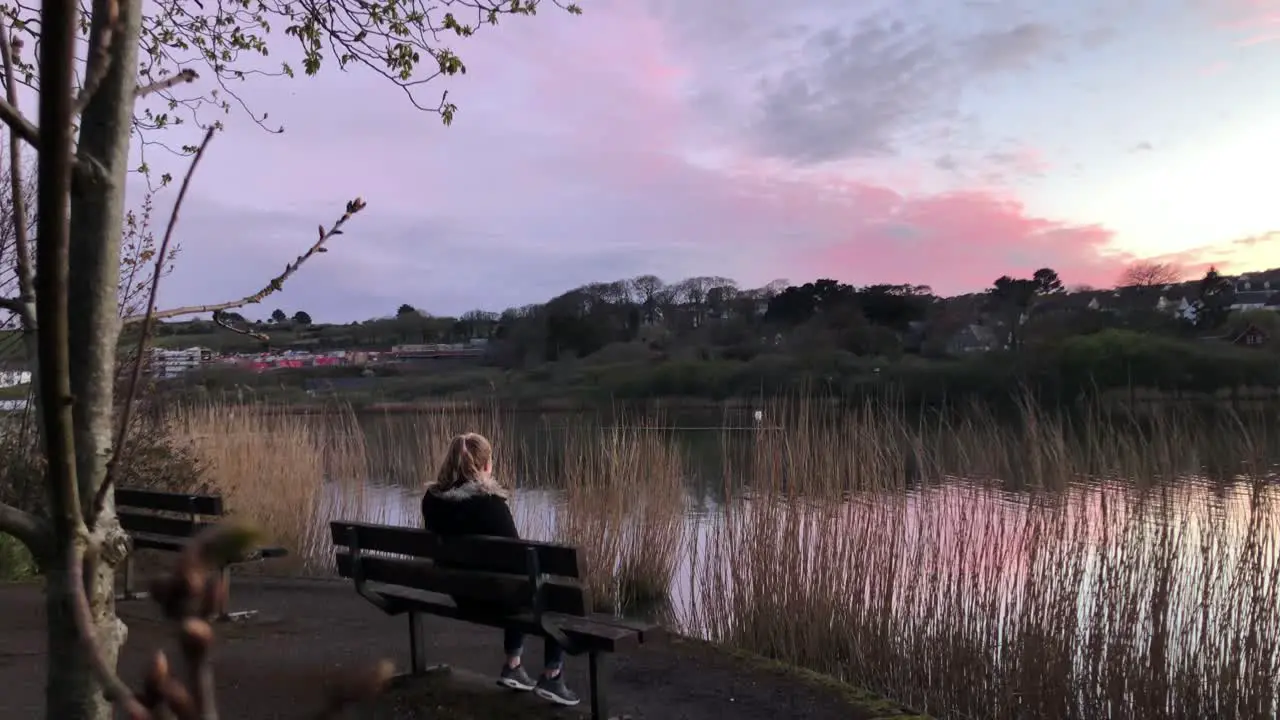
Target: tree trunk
[(71, 690), (97, 216)]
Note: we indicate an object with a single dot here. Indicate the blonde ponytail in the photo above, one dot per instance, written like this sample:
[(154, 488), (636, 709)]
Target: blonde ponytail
[(465, 461)]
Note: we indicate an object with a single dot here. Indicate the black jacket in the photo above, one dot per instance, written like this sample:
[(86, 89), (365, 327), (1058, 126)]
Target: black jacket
[(469, 509)]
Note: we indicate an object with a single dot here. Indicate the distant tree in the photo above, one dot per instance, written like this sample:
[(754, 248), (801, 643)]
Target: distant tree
[(278, 315), (1215, 294), (1012, 298), (1150, 274), (894, 306), (1047, 282), (774, 287), (797, 304), (302, 318), (405, 309)]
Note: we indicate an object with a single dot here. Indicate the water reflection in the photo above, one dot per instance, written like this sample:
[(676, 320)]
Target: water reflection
[(1202, 518)]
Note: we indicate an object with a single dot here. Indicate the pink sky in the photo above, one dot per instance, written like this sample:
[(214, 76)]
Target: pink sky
[(932, 144)]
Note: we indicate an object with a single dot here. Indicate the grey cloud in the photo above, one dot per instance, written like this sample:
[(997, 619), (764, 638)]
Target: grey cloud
[(826, 82), (858, 91), (1009, 49)]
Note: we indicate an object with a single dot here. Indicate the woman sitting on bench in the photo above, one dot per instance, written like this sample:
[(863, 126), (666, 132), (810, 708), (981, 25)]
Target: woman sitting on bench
[(464, 499)]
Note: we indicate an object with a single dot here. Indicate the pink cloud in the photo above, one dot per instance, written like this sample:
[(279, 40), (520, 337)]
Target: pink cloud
[(1255, 252), (962, 241), (1256, 21)]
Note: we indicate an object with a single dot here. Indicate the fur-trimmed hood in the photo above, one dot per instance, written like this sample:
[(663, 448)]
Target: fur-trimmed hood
[(468, 490), (477, 507)]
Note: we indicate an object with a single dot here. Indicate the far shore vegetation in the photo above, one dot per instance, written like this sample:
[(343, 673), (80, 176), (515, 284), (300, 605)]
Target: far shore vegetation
[(704, 340)]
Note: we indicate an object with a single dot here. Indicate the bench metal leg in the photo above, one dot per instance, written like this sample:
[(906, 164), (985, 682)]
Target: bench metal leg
[(223, 615), (129, 593), (599, 703), (418, 647)]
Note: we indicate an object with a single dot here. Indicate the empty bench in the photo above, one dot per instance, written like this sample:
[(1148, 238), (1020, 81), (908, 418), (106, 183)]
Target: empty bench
[(165, 521), (415, 572)]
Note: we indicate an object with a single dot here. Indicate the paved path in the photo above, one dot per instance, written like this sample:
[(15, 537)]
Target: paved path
[(271, 666)]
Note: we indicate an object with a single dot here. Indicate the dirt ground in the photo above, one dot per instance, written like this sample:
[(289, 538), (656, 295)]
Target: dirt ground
[(274, 665)]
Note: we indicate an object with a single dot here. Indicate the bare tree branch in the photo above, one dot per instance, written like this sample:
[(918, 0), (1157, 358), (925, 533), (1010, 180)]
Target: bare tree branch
[(30, 529), (353, 207), (112, 686), (99, 60), (19, 124), (57, 62), (183, 76), (220, 319), (100, 497), (22, 243)]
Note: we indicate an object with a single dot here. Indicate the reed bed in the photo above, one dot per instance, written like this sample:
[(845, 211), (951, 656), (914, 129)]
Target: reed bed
[(1090, 590), (620, 497)]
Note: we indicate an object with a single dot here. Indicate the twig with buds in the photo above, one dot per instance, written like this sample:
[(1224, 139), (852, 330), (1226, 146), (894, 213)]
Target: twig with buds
[(191, 596)]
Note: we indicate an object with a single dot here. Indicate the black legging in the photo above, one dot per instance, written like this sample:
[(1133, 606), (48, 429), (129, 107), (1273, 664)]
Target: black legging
[(552, 653)]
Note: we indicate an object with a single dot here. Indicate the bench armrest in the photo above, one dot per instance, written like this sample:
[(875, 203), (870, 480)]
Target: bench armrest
[(270, 552)]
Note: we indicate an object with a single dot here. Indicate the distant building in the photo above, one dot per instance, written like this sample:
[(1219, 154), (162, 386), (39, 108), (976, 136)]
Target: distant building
[(474, 349), (1252, 337), (163, 363), (14, 378), (973, 338)]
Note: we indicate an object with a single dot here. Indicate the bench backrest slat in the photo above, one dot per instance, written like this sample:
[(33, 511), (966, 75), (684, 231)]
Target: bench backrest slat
[(148, 524), (514, 592), (170, 502), (485, 554)]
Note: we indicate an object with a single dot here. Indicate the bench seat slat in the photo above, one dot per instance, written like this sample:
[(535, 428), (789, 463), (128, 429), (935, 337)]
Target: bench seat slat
[(648, 632), (144, 541), (589, 634), (172, 502), (157, 542), (560, 596), (489, 554), (148, 524)]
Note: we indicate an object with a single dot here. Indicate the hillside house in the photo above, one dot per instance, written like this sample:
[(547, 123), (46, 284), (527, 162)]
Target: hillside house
[(14, 378), (1252, 337), (973, 338), (1251, 294)]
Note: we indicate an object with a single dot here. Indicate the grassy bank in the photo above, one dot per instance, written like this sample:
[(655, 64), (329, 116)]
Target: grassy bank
[(1065, 372), (1132, 572)]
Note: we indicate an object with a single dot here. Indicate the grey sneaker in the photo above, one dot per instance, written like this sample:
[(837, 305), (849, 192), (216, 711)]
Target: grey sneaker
[(515, 678), (553, 689)]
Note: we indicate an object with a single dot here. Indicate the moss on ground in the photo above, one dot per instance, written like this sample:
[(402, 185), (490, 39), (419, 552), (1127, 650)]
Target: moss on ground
[(463, 695), (862, 701), (458, 695)]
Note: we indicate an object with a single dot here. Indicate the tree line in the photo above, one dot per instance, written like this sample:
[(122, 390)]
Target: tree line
[(727, 320)]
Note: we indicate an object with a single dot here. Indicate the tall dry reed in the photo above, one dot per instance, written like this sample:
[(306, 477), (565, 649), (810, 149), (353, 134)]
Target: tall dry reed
[(624, 505), (289, 473), (1059, 579)]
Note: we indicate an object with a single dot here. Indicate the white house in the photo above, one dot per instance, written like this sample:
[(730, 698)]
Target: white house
[(14, 378)]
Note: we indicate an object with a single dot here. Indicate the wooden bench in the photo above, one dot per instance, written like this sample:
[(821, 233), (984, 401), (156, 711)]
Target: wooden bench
[(416, 572), (166, 521)]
